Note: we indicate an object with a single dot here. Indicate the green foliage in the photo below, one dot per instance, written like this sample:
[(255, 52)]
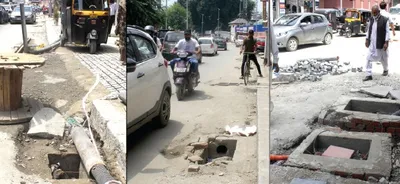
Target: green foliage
[(229, 11), (143, 12), (177, 17)]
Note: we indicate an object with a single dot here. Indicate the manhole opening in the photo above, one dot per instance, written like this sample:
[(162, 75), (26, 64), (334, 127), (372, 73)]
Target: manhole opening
[(222, 148), (65, 166), (372, 107), (360, 147)]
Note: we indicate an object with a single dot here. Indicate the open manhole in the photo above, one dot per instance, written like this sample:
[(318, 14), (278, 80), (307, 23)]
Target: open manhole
[(220, 148), (356, 148), (66, 166), (372, 107), (355, 154)]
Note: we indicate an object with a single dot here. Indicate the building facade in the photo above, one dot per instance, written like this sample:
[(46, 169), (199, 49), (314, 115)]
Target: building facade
[(365, 4)]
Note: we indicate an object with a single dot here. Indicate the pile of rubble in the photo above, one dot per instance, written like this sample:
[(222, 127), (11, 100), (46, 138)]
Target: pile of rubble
[(314, 69)]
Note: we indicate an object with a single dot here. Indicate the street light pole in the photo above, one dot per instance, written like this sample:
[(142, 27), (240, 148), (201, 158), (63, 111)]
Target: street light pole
[(218, 21), (23, 24), (202, 24), (166, 16), (341, 5), (187, 14)]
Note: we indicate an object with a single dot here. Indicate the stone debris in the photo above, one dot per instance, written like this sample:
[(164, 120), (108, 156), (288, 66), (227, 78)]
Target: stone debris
[(199, 145), (193, 168), (306, 181), (377, 91), (221, 174), (314, 69), (372, 179), (47, 123), (196, 159), (395, 94)]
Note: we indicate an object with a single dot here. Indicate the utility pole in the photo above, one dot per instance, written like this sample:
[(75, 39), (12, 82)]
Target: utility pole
[(23, 25), (202, 24), (240, 9), (166, 15), (218, 22), (341, 5), (297, 6), (313, 6), (50, 8), (187, 14)]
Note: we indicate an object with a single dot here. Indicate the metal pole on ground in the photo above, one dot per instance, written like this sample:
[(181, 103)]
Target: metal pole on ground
[(23, 25)]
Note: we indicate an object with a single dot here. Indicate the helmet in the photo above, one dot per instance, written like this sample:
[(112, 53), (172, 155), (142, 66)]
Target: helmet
[(149, 29)]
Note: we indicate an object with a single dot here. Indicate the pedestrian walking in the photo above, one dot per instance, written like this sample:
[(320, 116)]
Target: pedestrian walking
[(113, 11), (377, 42), (386, 14), (120, 30)]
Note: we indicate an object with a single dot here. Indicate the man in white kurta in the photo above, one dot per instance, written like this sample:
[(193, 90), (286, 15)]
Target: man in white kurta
[(375, 54)]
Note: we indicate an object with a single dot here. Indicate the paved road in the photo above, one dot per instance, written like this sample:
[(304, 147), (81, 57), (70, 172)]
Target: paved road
[(11, 35), (207, 111)]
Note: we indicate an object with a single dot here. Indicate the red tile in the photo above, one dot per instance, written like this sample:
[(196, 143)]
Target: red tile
[(338, 152)]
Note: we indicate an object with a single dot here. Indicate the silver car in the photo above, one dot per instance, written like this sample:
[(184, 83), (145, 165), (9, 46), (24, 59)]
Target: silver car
[(296, 29), (30, 16)]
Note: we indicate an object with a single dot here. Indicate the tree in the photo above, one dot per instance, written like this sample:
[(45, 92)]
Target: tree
[(229, 11), (177, 17), (144, 12)]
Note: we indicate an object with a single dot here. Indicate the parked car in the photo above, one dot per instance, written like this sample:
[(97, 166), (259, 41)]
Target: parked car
[(149, 86), (170, 40), (30, 16), (260, 44), (296, 29), (221, 43), (239, 41), (8, 8), (208, 45), (4, 16)]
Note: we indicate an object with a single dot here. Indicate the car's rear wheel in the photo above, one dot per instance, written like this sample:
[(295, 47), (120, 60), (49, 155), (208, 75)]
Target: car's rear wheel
[(292, 44), (328, 39), (162, 119)]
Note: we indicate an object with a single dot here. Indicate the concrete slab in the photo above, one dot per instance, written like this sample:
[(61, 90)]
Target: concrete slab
[(378, 163), (263, 119), (378, 91), (109, 121), (287, 174), (395, 94), (47, 123), (306, 181)]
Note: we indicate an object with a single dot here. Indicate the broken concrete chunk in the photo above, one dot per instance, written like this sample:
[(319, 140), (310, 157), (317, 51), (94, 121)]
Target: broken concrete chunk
[(378, 91), (395, 94), (193, 168), (354, 90), (338, 152), (47, 123), (199, 145), (372, 179), (196, 158), (189, 148)]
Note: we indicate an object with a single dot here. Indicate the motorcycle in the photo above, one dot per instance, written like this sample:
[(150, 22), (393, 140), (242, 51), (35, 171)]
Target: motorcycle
[(184, 79)]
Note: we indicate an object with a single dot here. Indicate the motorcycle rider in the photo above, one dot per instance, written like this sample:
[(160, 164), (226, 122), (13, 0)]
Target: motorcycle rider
[(151, 31), (191, 46)]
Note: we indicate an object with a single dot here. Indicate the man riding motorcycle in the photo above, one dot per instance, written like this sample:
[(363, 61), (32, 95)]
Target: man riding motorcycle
[(191, 46), (151, 31)]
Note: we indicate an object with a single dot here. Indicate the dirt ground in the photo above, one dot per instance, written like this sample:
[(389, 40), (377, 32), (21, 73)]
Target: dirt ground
[(60, 84)]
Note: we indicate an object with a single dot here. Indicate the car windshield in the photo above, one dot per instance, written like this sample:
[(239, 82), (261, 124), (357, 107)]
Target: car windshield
[(27, 9), (91, 5), (174, 37), (287, 20), (7, 7), (394, 11), (204, 41)]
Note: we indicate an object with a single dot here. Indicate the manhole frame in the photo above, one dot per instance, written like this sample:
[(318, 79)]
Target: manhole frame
[(378, 164)]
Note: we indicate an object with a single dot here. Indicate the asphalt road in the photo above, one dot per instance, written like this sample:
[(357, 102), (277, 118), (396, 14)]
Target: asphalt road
[(208, 110)]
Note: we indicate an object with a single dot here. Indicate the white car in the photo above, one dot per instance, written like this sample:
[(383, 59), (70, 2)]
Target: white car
[(208, 46), (149, 87)]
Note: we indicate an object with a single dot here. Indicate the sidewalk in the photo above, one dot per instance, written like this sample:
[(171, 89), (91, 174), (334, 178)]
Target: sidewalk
[(105, 61)]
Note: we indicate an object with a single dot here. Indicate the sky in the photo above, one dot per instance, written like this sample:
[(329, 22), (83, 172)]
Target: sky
[(170, 2)]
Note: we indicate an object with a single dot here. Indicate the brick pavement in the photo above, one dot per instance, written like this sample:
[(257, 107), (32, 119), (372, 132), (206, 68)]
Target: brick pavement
[(105, 61)]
